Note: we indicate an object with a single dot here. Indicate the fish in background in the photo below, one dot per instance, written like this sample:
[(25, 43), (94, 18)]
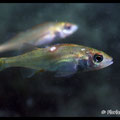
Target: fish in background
[(40, 35), (63, 59)]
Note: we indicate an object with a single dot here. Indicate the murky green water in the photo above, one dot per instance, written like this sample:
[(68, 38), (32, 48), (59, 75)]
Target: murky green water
[(84, 94)]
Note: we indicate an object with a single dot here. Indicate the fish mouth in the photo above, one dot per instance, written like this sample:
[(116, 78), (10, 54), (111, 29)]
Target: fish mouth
[(108, 63), (74, 28), (111, 61)]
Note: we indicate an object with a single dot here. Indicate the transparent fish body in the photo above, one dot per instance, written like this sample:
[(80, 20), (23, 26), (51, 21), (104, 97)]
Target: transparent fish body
[(63, 59), (40, 35)]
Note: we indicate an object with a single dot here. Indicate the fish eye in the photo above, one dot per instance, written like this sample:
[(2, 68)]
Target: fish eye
[(98, 58), (67, 27)]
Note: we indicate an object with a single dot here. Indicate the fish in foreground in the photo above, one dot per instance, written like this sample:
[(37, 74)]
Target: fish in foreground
[(63, 59), (40, 35)]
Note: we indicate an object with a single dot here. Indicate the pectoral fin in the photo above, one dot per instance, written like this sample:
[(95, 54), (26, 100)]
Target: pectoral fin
[(66, 69)]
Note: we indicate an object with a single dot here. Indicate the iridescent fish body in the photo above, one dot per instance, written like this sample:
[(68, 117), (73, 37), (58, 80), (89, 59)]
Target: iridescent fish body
[(40, 35), (63, 59)]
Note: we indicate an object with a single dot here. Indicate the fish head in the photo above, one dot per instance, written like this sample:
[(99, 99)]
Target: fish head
[(94, 60), (64, 29)]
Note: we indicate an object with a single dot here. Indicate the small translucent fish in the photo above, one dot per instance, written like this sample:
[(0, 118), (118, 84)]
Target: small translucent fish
[(40, 35), (63, 59)]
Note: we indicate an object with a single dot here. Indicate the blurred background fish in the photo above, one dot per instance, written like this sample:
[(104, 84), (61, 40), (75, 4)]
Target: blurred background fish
[(40, 35), (64, 59)]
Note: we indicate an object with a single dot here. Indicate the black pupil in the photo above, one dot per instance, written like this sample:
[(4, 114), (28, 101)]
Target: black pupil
[(68, 27), (98, 58)]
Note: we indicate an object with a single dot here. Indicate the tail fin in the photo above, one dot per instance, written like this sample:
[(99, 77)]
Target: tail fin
[(2, 62)]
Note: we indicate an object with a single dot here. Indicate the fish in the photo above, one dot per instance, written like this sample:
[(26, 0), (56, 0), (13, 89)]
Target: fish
[(62, 59), (40, 35)]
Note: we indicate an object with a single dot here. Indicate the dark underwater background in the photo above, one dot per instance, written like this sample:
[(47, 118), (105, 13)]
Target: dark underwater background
[(83, 94)]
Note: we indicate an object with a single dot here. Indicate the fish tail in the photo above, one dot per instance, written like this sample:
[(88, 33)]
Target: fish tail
[(2, 64)]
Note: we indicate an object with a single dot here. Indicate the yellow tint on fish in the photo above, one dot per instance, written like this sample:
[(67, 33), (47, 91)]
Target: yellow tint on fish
[(63, 59), (40, 35)]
